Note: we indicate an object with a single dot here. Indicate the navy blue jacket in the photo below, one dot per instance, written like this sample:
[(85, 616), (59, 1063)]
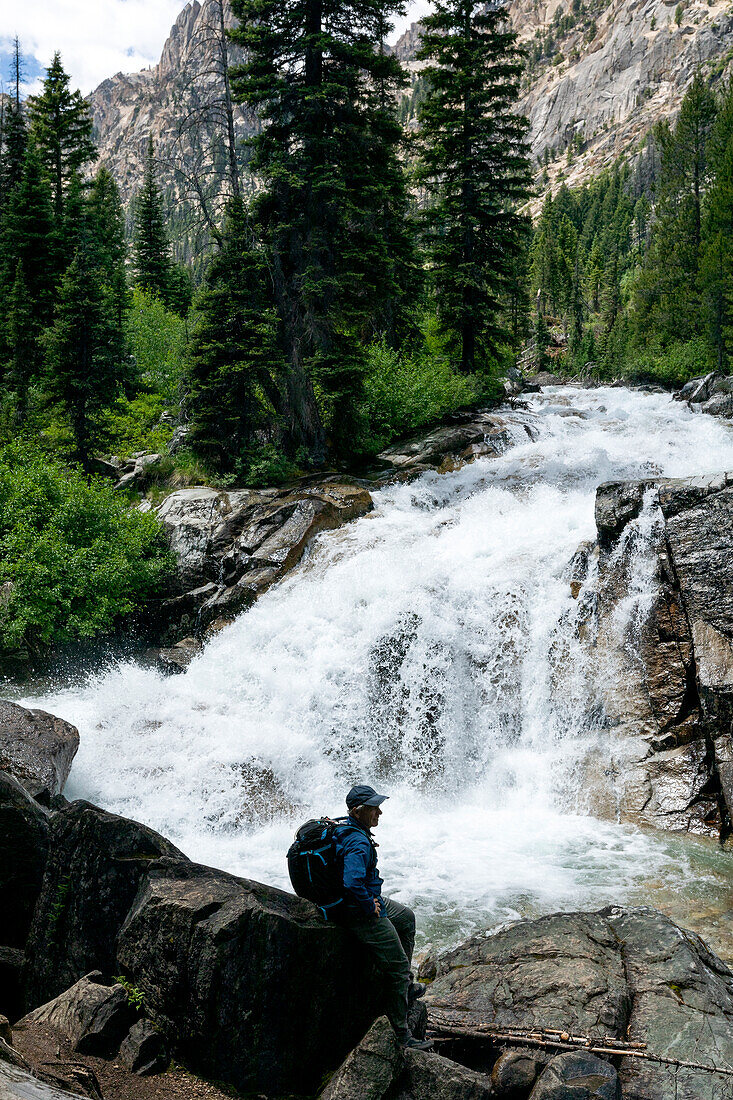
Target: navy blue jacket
[(358, 855)]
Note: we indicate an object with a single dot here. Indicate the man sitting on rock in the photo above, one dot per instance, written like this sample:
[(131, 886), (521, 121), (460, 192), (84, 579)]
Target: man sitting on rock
[(384, 926)]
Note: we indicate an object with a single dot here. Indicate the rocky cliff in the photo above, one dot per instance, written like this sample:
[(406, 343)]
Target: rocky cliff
[(179, 102), (599, 75)]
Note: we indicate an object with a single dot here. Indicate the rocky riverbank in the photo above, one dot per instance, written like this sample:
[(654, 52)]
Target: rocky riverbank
[(119, 953), (231, 546), (665, 682)]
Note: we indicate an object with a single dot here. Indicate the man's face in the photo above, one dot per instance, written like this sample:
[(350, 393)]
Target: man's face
[(369, 816)]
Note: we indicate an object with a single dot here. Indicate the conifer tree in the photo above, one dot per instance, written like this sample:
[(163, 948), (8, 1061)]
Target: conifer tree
[(323, 87), (86, 371), (61, 126), (235, 360), (152, 264), (474, 165), (22, 339), (107, 232), (26, 236), (14, 135)]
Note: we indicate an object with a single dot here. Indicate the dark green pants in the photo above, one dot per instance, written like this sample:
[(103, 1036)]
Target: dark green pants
[(391, 940)]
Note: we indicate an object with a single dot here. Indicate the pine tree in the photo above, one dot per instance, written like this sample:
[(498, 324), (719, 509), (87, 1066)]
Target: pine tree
[(14, 136), (26, 235), (22, 341), (61, 127), (667, 296), (151, 258), (107, 232), (322, 85), (235, 360), (86, 372), (475, 168)]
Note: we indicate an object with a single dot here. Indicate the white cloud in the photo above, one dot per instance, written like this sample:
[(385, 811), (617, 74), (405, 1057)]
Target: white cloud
[(96, 38)]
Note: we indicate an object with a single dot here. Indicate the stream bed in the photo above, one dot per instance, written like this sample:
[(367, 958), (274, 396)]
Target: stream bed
[(413, 650)]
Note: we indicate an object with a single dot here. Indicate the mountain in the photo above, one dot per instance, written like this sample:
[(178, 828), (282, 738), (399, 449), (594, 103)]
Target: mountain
[(179, 101), (599, 75)]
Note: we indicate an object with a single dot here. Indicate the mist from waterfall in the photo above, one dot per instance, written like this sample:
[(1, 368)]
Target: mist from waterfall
[(430, 649)]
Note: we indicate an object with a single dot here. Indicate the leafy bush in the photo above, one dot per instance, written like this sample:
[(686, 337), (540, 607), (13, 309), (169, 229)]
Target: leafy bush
[(404, 391), (74, 556), (158, 340), (671, 366), (133, 424)]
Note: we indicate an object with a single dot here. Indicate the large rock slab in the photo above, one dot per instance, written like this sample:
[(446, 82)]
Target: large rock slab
[(492, 432), (656, 622), (37, 748), (251, 984), (231, 546), (627, 973), (95, 865), (94, 1015), (24, 827), (563, 971)]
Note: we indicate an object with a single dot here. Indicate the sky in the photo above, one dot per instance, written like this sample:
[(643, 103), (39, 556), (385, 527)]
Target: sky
[(96, 38)]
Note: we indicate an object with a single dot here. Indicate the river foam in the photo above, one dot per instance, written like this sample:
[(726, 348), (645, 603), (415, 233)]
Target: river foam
[(416, 650)]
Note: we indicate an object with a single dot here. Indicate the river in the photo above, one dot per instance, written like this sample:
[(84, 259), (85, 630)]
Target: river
[(413, 650)]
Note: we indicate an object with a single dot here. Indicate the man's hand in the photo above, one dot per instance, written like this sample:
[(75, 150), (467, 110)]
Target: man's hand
[(377, 908)]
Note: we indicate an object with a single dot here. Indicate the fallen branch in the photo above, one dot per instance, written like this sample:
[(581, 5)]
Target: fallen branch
[(444, 1028)]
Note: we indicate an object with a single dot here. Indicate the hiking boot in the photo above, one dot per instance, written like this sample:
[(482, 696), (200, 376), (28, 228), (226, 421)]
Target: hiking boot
[(415, 991), (411, 1043)]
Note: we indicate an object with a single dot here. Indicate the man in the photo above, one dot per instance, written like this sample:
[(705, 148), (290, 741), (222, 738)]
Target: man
[(384, 926)]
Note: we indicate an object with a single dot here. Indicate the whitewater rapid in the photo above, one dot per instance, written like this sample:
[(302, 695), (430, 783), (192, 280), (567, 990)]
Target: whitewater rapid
[(416, 650)]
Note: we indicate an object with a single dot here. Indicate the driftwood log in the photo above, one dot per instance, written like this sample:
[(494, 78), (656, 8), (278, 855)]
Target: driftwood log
[(444, 1026)]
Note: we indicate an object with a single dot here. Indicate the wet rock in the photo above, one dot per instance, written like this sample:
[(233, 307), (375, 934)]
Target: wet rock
[(617, 502), (11, 968), (173, 659), (231, 546), (577, 1076), (37, 748), (628, 973), (698, 390), (379, 1067), (546, 378), (489, 430), (429, 1076), (514, 1073), (663, 673), (371, 1069), (94, 1015), (226, 966), (144, 1050), (24, 829), (95, 866), (563, 971)]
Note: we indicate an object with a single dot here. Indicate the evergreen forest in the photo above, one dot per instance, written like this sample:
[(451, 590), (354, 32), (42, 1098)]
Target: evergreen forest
[(380, 278)]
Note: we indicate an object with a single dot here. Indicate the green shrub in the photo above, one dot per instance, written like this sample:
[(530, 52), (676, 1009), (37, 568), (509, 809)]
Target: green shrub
[(133, 424), (404, 391), (671, 366), (75, 557), (158, 340)]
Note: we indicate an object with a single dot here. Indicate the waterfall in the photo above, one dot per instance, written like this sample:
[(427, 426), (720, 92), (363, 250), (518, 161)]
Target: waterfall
[(430, 649)]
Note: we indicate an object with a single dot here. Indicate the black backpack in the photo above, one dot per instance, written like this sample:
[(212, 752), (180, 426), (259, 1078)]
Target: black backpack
[(314, 865)]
